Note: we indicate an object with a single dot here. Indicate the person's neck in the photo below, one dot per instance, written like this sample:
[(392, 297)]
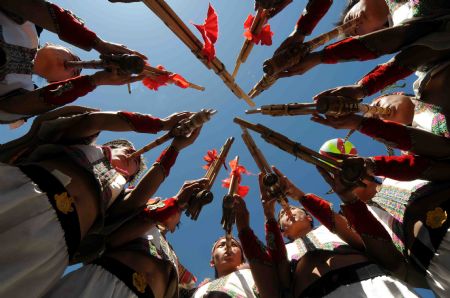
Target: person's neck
[(39, 65), (226, 271), (300, 234)]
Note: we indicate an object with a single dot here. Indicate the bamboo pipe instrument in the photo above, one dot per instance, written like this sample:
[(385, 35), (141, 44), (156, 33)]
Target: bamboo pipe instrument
[(331, 106), (205, 196), (270, 179), (294, 148), (124, 63), (351, 175), (184, 128), (258, 22), (179, 28), (228, 214), (293, 55)]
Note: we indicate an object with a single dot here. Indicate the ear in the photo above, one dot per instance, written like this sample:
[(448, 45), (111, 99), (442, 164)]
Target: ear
[(309, 218), (211, 263)]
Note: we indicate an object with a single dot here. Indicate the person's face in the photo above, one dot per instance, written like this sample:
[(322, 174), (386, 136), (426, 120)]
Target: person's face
[(297, 227), (402, 108), (223, 259), (54, 58), (371, 17), (122, 164)]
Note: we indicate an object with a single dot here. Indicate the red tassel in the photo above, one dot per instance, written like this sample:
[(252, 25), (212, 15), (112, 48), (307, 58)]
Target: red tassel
[(401, 168), (142, 123), (391, 133), (159, 211), (210, 157), (320, 209), (209, 31), (253, 248), (364, 222), (313, 13), (346, 50), (70, 28), (264, 37), (237, 170), (64, 92), (383, 76), (275, 242), (163, 80)]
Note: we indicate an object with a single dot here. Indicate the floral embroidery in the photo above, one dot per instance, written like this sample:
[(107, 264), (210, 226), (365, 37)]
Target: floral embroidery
[(436, 218), (154, 204), (64, 202), (139, 282)]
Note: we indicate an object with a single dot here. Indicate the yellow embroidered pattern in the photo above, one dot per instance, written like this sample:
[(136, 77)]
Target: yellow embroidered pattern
[(64, 202), (139, 282), (436, 218)]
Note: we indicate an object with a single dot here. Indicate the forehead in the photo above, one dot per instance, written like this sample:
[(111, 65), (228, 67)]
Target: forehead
[(293, 210), (223, 241)]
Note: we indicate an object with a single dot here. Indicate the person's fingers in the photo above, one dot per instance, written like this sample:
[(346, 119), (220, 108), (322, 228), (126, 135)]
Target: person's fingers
[(324, 93), (278, 172), (137, 78), (262, 188), (139, 54)]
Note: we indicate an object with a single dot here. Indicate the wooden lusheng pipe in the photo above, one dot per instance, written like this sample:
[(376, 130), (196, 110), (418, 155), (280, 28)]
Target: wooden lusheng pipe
[(304, 153), (270, 179), (293, 54), (205, 196), (256, 27), (331, 106), (184, 128), (123, 63), (228, 213), (179, 28)]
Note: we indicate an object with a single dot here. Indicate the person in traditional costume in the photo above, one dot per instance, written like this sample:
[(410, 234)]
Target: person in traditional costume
[(421, 49), (138, 261), (57, 187), (233, 278), (21, 57), (324, 265), (409, 218)]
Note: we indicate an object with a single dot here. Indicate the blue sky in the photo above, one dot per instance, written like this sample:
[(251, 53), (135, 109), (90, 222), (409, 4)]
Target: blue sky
[(137, 27)]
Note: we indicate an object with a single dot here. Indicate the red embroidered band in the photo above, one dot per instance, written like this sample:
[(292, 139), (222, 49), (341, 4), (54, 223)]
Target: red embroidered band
[(64, 92), (253, 248), (347, 50), (383, 76), (70, 28), (142, 123), (167, 159), (274, 241), (160, 211), (401, 168), (320, 209), (363, 222), (394, 134), (313, 13)]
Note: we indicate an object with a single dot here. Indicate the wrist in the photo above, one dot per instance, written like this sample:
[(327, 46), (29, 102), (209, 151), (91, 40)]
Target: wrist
[(98, 42), (95, 80)]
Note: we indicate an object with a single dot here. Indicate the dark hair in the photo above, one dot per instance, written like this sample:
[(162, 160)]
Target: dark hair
[(348, 6)]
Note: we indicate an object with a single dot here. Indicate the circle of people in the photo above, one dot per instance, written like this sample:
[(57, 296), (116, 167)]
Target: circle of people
[(65, 199)]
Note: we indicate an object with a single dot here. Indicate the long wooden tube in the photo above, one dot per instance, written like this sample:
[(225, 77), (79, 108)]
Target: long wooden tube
[(179, 28)]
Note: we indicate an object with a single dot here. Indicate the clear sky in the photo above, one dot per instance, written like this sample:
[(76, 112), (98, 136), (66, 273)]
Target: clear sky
[(137, 27)]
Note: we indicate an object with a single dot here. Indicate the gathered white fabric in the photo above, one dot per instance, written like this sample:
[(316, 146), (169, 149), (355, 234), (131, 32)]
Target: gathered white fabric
[(33, 252), (380, 286), (21, 35), (91, 281), (239, 284), (438, 272)]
